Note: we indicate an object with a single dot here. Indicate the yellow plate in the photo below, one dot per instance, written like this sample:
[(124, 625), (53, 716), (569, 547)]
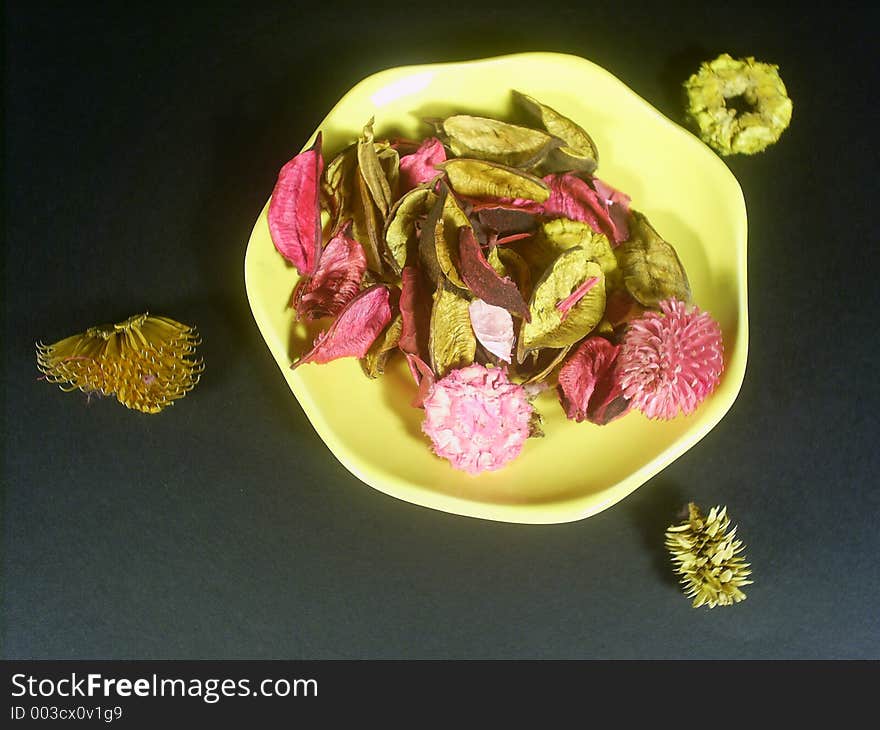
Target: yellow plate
[(578, 469)]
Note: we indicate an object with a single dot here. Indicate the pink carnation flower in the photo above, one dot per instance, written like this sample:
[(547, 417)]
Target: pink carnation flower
[(670, 361), (477, 418)]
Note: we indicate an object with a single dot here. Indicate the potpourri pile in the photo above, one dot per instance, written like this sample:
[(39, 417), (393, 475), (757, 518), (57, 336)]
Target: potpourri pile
[(493, 260)]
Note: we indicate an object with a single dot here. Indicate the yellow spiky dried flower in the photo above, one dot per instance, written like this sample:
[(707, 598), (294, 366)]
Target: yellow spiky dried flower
[(707, 556), (147, 361)]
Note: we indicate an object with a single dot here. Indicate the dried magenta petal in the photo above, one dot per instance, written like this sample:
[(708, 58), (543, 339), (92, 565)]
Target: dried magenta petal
[(566, 304), (483, 280), (532, 207), (336, 280), (588, 385), (606, 212), (617, 205), (424, 377), (295, 212), (359, 323), (418, 167), (415, 312), (570, 197)]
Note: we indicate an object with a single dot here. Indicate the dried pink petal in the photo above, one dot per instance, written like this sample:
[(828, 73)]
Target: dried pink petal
[(415, 313), (336, 280), (524, 205), (418, 167), (617, 205), (477, 419), (504, 240), (294, 210), (424, 377), (493, 327), (587, 385), (670, 361), (566, 304), (484, 281), (571, 197), (354, 330)]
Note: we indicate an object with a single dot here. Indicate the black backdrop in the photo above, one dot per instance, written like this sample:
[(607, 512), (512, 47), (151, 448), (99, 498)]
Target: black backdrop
[(141, 144)]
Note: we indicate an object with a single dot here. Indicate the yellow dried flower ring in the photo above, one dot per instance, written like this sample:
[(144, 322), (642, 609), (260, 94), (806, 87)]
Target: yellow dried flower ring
[(147, 362), (722, 85)]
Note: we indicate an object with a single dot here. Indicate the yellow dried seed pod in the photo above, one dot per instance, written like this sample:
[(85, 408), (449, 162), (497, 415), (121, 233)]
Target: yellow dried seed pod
[(147, 362), (707, 557)]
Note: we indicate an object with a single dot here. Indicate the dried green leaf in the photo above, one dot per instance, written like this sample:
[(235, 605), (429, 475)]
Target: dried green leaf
[(372, 171), (551, 365), (336, 184), (563, 234), (551, 327), (373, 363), (497, 141), (446, 236), (517, 268), (451, 342), (389, 159), (427, 248), (651, 269), (365, 223), (481, 179), (401, 232), (578, 151)]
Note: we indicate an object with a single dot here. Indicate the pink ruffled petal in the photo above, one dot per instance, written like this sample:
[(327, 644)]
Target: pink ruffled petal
[(294, 210), (477, 419)]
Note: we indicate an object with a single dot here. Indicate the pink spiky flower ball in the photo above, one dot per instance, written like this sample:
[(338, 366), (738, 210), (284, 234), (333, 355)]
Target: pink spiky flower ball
[(671, 360), (477, 419)]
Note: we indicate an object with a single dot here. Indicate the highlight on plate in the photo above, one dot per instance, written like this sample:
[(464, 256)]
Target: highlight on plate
[(492, 258)]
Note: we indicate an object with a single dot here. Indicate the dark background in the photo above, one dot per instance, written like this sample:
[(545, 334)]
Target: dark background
[(140, 146)]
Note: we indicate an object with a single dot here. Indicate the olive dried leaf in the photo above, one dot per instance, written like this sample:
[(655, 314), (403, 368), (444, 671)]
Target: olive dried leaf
[(563, 233), (337, 182), (373, 363), (497, 141), (651, 268), (578, 151), (482, 179), (365, 223), (550, 327), (372, 171), (546, 370), (518, 269), (446, 237), (401, 231), (451, 340)]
